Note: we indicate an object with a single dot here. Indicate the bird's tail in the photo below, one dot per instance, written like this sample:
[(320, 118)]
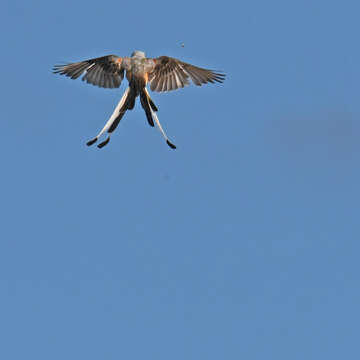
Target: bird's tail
[(146, 105), (150, 111), (127, 102)]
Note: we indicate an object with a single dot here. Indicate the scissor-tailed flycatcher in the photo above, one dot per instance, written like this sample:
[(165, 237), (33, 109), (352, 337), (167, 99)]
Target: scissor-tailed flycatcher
[(163, 74)]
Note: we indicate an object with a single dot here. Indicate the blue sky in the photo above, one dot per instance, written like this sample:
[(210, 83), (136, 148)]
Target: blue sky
[(242, 243)]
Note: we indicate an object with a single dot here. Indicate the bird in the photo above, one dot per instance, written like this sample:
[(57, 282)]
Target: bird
[(162, 74)]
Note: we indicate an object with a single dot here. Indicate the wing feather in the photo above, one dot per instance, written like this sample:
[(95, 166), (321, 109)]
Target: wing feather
[(105, 71), (170, 74), (161, 83), (172, 82)]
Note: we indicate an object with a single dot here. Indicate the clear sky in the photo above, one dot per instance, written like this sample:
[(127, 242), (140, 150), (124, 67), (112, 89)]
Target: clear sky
[(243, 243)]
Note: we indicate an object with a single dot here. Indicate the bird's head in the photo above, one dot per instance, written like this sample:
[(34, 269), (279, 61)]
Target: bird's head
[(138, 53)]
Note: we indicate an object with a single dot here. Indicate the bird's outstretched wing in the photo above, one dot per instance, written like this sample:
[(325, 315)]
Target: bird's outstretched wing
[(105, 71), (170, 74)]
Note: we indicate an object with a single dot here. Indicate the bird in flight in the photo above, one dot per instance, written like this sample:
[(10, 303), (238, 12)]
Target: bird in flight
[(163, 74)]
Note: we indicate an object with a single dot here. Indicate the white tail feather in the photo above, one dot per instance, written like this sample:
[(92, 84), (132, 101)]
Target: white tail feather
[(114, 114), (153, 113)]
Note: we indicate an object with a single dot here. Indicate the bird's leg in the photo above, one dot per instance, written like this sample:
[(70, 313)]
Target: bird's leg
[(153, 113), (109, 122)]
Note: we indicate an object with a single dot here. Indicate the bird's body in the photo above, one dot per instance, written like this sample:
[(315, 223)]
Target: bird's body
[(163, 74)]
